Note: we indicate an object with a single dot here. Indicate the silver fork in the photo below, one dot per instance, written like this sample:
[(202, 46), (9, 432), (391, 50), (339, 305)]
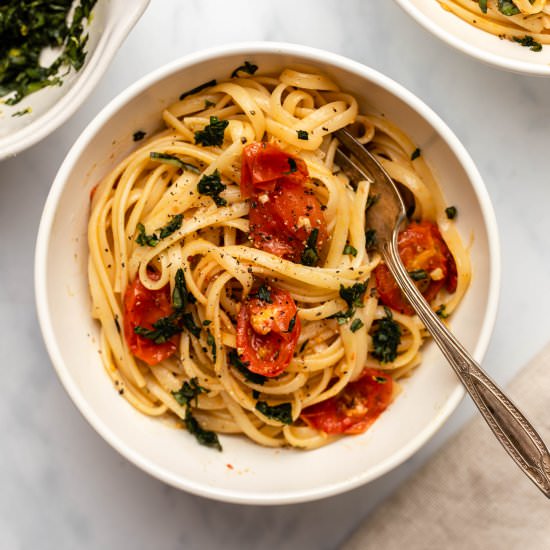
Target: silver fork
[(386, 216)]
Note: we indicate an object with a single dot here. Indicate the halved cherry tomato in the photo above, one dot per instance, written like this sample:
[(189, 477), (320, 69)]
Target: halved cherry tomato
[(143, 307), (283, 213), (355, 408), (267, 332), (265, 164), (424, 252)]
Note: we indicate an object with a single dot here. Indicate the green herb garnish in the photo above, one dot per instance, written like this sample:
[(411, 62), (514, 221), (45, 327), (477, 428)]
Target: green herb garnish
[(303, 346), (529, 42), (189, 323), (248, 68), (204, 437), (242, 367), (440, 311), (350, 250), (139, 135), (293, 167), (291, 324), (483, 5), (200, 88), (386, 338), (213, 133), (174, 161), (302, 134), (264, 294), (282, 413), (146, 240), (310, 256), (163, 329), (173, 225), (22, 112), (27, 27), (418, 274), (451, 212), (152, 240), (210, 340), (353, 296), (506, 7), (189, 391), (356, 325), (415, 154), (212, 186), (371, 201)]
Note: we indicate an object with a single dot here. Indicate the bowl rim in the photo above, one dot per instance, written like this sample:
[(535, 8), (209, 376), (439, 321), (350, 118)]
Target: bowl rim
[(316, 56), (116, 29), (489, 58)]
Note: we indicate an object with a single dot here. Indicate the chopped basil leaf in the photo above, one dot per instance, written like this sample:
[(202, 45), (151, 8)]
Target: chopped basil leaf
[(180, 295), (210, 340), (22, 112), (208, 104), (139, 135), (264, 294), (242, 367), (386, 338), (206, 322), (212, 133), (190, 325), (292, 166), (248, 68), (173, 225), (415, 154), (255, 394), (529, 42), (380, 379), (370, 238), (440, 311), (356, 325), (189, 391), (162, 330), (418, 274), (451, 212), (282, 413), (302, 134), (291, 324), (204, 437), (483, 5), (146, 240), (310, 256), (506, 7), (208, 84), (351, 250), (303, 346), (353, 295), (212, 186), (174, 161)]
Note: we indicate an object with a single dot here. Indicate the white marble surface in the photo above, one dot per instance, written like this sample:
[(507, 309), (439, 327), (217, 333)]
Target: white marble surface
[(61, 485)]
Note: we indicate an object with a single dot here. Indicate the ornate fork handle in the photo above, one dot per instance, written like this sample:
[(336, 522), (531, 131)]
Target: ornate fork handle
[(511, 428)]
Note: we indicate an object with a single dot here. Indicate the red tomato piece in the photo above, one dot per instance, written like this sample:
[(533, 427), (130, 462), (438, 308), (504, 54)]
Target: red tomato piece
[(143, 307), (422, 249), (355, 408), (267, 332), (264, 164), (283, 213)]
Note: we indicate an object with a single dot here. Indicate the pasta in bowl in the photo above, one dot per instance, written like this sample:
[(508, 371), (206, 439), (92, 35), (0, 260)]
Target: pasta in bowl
[(230, 271)]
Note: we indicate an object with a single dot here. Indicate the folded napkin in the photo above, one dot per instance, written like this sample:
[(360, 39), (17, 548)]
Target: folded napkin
[(471, 495)]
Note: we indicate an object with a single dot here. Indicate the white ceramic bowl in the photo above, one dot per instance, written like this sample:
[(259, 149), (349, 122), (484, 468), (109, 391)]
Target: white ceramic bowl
[(476, 42), (111, 22), (258, 475)]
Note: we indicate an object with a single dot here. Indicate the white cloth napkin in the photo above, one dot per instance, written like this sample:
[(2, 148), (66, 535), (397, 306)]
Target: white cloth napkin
[(471, 495)]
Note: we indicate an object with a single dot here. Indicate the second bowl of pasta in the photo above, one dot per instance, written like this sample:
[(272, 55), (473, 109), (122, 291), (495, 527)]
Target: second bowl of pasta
[(512, 35), (234, 332)]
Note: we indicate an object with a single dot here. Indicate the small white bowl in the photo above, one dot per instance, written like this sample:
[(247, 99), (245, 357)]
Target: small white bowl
[(52, 106), (475, 42), (245, 472)]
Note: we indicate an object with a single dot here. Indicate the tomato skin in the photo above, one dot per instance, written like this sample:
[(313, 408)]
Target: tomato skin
[(143, 307), (421, 247), (283, 213), (355, 408), (264, 164), (264, 342)]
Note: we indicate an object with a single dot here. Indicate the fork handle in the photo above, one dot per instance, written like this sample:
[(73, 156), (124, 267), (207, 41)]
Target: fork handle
[(511, 428)]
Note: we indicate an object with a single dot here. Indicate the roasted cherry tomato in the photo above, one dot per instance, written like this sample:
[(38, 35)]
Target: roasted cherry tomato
[(268, 329), (429, 261), (285, 217), (355, 408), (143, 307)]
